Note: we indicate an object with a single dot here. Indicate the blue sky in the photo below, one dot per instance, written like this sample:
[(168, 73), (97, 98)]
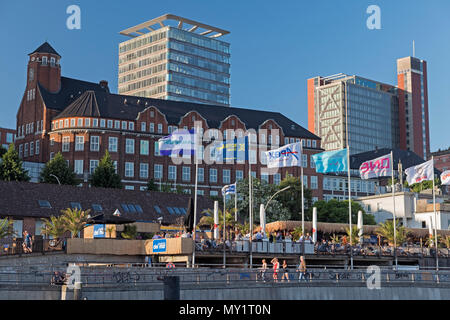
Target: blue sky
[(275, 46)]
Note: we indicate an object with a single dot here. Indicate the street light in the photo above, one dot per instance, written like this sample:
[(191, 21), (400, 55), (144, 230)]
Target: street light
[(52, 175), (284, 189)]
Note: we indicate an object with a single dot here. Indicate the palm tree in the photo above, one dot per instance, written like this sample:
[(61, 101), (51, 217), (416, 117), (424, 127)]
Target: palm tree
[(54, 227), (296, 233), (446, 242), (6, 229), (386, 230), (335, 239), (209, 219), (75, 220), (355, 234)]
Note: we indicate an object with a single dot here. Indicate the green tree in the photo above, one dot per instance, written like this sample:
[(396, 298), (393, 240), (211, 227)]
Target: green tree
[(55, 227), (58, 167), (129, 231), (335, 211), (208, 219), (296, 233), (105, 174), (75, 220), (262, 191), (424, 185), (355, 236), (151, 185), (6, 229), (11, 166), (291, 199), (386, 230), (2, 151)]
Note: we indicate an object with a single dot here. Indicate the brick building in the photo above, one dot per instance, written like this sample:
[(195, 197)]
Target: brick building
[(6, 137), (83, 120)]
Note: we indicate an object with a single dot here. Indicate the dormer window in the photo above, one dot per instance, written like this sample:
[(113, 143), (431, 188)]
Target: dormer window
[(44, 61)]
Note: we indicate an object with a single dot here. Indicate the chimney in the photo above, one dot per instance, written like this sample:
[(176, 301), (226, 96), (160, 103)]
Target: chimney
[(104, 84)]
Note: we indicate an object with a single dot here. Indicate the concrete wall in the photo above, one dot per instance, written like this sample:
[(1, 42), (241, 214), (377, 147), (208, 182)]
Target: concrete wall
[(234, 292)]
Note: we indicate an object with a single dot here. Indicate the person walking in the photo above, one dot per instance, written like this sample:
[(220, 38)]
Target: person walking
[(276, 267), (285, 272), (302, 269), (262, 270)]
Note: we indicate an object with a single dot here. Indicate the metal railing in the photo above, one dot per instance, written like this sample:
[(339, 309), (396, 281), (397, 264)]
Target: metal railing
[(94, 277)]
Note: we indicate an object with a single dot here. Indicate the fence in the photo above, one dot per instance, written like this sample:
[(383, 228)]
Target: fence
[(289, 247), (94, 277), (15, 246)]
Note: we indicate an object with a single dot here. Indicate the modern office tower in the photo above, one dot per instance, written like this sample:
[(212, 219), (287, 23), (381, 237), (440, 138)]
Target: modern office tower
[(372, 112), (175, 58), (413, 105)]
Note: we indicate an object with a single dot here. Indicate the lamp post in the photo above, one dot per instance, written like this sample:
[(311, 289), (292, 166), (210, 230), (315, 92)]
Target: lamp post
[(52, 175), (284, 189)]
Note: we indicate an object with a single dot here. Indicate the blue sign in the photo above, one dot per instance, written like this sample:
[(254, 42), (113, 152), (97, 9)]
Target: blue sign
[(99, 230), (159, 245)]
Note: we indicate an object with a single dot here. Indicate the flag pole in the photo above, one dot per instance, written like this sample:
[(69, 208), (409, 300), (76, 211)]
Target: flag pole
[(235, 202), (195, 196), (250, 186), (394, 222), (303, 199), (349, 181), (435, 218), (224, 228)]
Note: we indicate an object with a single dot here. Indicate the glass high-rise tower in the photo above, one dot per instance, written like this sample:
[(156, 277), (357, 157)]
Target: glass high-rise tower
[(175, 58)]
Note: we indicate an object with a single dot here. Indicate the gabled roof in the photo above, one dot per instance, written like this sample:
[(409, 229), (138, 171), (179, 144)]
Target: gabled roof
[(73, 100), (71, 90), (21, 199), (45, 48)]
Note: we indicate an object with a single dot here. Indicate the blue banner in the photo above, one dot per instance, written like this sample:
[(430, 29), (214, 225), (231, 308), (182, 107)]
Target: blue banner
[(229, 189), (231, 150), (331, 161), (159, 245), (179, 142)]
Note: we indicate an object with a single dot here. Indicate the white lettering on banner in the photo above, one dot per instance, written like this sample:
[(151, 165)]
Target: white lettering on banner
[(159, 246), (376, 168)]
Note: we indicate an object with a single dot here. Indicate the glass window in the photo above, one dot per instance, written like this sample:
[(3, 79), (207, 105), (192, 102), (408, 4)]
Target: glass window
[(129, 169), (144, 147), (131, 126), (124, 125), (186, 174), (226, 176), (93, 164), (97, 207), (156, 144), (158, 171), (112, 144), (201, 174), (95, 143), (79, 143), (276, 178), (152, 127), (117, 124), (75, 205), (129, 147), (143, 126), (160, 128), (65, 144), (172, 173), (44, 204), (239, 175), (143, 172), (314, 183), (212, 175), (78, 168)]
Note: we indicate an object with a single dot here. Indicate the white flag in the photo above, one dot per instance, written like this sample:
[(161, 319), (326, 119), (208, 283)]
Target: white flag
[(289, 155), (419, 173), (445, 177), (378, 167)]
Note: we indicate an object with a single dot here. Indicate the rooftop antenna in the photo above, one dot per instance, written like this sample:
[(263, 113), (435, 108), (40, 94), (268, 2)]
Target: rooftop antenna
[(414, 49)]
